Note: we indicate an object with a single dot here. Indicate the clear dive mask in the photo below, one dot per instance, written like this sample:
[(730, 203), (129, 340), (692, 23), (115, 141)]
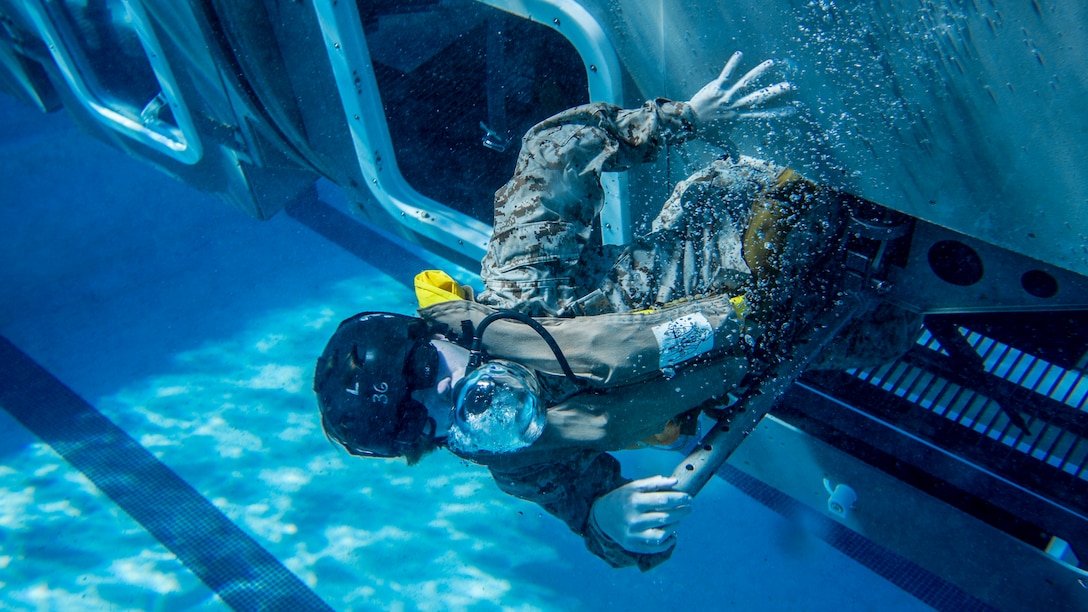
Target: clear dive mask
[(497, 408)]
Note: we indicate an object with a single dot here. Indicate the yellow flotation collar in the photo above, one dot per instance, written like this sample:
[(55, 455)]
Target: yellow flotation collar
[(435, 286)]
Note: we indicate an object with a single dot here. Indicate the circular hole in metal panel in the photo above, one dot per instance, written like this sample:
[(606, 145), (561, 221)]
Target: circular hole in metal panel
[(1040, 284), (955, 263)]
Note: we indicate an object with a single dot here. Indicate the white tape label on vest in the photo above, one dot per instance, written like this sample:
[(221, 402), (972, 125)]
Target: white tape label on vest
[(683, 338)]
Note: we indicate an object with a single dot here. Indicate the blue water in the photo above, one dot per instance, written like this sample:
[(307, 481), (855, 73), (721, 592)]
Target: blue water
[(194, 328)]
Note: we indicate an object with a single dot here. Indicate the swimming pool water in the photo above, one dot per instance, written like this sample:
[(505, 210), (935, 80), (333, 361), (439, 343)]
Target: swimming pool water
[(194, 329)]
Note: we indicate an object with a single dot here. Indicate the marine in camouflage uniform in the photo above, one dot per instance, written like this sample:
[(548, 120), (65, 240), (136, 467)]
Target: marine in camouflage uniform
[(540, 262)]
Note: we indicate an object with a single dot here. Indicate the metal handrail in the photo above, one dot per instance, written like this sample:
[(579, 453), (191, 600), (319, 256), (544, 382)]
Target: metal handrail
[(341, 28), (742, 417)]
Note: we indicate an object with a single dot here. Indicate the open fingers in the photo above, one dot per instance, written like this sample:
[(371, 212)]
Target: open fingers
[(762, 96), (749, 78), (730, 66), (770, 113)]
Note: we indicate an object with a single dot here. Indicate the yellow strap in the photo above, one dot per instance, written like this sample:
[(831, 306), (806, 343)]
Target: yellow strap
[(786, 176), (740, 306), (435, 286)]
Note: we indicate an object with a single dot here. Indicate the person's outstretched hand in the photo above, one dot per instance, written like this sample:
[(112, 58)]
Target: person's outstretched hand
[(642, 515), (722, 103)]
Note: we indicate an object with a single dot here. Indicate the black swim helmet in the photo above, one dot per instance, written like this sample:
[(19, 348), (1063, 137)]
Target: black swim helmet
[(364, 381)]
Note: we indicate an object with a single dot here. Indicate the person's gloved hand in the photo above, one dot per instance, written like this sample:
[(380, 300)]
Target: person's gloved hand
[(721, 103), (642, 515)]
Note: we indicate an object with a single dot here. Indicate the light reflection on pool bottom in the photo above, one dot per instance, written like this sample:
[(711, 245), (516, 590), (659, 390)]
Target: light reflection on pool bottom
[(65, 546), (237, 420)]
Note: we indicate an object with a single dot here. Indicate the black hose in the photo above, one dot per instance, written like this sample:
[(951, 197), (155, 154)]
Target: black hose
[(477, 341)]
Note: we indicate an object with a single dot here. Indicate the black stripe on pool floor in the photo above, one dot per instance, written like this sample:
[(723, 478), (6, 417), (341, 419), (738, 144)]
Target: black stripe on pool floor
[(216, 550)]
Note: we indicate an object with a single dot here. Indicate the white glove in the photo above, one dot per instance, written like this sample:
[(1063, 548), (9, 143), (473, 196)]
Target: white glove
[(642, 516), (721, 103)]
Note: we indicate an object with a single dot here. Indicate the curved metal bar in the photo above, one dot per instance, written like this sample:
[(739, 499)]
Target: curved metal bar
[(349, 56), (342, 30), (140, 123), (603, 72)]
